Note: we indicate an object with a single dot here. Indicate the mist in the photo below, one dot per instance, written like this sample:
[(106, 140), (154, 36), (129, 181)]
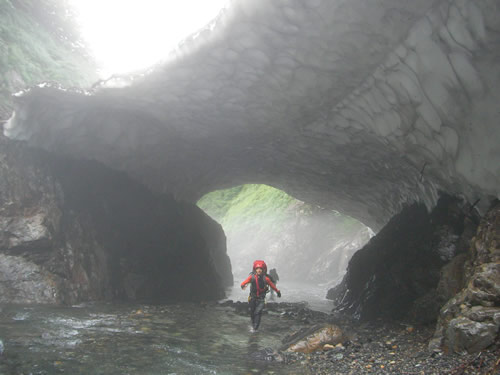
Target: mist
[(304, 243)]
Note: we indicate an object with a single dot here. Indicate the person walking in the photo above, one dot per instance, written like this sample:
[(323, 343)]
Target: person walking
[(259, 285), (273, 274)]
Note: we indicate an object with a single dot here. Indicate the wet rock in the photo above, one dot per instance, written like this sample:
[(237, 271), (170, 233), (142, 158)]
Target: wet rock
[(338, 357), (483, 314), (465, 334), (389, 348), (267, 355), (316, 340), (484, 286), (397, 274), (471, 320), (328, 347), (74, 231), (452, 277), (238, 306), (23, 281)]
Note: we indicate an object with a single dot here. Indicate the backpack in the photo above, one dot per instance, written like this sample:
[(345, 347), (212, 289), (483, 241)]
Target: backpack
[(273, 275)]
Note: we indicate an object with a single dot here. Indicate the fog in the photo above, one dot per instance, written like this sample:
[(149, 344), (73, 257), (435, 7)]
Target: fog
[(312, 249), (304, 243)]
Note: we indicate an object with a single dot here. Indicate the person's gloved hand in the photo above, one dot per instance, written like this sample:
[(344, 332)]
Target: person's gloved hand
[(279, 294)]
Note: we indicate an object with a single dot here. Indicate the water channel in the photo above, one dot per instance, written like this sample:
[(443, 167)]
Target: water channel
[(105, 338)]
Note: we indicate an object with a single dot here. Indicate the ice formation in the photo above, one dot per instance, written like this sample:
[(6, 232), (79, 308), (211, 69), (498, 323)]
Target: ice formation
[(361, 106)]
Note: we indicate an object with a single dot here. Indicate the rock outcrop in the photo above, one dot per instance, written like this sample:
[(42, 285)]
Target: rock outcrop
[(470, 321), (397, 274), (426, 267), (315, 338), (75, 231)]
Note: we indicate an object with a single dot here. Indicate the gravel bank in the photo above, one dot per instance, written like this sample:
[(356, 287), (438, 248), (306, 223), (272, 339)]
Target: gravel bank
[(377, 347)]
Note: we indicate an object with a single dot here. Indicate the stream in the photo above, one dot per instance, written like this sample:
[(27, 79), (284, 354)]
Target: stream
[(133, 338)]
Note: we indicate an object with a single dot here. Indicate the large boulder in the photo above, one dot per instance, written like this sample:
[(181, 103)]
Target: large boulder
[(397, 274), (74, 231), (314, 338), (22, 281), (470, 321)]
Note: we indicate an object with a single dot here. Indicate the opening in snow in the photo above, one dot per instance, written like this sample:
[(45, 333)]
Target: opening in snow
[(132, 35)]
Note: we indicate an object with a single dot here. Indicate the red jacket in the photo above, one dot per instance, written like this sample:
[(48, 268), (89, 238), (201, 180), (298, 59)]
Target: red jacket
[(258, 288)]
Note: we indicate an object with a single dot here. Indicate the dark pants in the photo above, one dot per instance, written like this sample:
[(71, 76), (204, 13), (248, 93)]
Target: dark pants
[(256, 308)]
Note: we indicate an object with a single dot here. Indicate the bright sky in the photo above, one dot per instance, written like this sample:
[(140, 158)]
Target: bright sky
[(128, 35)]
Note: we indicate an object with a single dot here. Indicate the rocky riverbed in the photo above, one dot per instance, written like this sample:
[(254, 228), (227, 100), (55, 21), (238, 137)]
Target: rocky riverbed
[(372, 347), (379, 348), (213, 338)]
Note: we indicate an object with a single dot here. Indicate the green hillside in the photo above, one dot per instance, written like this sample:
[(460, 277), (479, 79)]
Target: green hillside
[(259, 204), (263, 206), (39, 42)]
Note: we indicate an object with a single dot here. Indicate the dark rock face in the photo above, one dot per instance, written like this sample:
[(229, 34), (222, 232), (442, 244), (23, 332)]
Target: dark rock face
[(470, 321), (74, 231), (397, 274)]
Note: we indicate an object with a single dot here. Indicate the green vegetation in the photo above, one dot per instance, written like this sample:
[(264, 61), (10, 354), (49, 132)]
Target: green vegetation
[(39, 42), (252, 207), (248, 204)]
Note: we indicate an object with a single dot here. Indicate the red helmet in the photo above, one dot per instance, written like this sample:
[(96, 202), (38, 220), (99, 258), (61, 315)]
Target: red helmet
[(260, 264)]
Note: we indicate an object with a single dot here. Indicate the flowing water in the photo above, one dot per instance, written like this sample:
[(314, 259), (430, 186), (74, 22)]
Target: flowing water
[(314, 295), (104, 338)]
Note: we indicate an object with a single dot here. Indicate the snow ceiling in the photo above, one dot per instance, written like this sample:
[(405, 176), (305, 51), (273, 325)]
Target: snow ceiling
[(359, 106)]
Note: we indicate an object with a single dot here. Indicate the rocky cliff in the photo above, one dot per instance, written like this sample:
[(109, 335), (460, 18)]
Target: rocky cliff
[(75, 231), (396, 275), (471, 319), (427, 267)]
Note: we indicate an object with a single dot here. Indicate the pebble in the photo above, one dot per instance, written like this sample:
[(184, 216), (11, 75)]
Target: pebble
[(379, 348), (409, 356)]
